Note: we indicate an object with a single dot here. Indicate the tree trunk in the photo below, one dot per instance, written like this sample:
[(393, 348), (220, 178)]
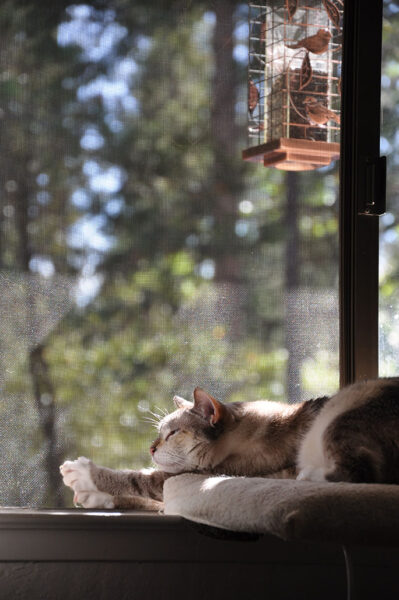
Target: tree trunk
[(43, 391), (223, 132), (224, 83), (292, 273)]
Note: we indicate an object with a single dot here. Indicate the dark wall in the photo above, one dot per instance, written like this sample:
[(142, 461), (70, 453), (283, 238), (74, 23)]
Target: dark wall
[(88, 555)]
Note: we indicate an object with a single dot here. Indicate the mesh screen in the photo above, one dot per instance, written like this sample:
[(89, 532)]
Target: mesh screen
[(139, 255), (389, 255)]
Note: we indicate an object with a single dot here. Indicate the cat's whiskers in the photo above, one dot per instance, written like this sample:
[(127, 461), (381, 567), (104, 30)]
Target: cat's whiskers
[(151, 420), (194, 447), (178, 459), (156, 415), (162, 411), (148, 418)]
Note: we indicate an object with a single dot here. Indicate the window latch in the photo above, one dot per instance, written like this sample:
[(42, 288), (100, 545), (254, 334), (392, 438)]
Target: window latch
[(375, 174)]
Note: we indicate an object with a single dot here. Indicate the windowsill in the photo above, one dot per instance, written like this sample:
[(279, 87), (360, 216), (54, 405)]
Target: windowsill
[(80, 534), (48, 553), (108, 535), (99, 535), (107, 554)]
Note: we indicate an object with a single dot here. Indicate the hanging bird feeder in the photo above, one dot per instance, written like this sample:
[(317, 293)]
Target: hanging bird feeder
[(294, 83)]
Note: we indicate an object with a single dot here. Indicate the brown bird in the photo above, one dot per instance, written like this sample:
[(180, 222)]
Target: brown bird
[(253, 96), (317, 43), (262, 33), (317, 113)]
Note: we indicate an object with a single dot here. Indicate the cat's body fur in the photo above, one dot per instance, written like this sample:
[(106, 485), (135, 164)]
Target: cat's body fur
[(352, 436)]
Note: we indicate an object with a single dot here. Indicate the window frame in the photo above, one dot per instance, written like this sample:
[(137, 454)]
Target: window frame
[(359, 163), (358, 274)]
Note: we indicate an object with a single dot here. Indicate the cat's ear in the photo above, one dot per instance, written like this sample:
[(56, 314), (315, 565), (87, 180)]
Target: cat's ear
[(181, 402), (210, 408)]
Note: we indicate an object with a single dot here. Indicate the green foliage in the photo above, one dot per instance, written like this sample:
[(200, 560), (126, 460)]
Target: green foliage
[(389, 224), (184, 246)]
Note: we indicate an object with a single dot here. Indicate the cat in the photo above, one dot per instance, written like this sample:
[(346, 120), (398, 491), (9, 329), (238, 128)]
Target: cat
[(352, 436)]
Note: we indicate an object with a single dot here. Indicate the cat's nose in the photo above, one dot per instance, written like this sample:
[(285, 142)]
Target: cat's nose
[(154, 445)]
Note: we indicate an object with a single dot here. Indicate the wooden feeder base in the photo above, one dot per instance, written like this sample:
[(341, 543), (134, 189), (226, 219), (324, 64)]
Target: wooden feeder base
[(293, 154)]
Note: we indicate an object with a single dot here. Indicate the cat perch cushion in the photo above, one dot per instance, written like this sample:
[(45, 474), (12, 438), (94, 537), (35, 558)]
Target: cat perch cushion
[(344, 513)]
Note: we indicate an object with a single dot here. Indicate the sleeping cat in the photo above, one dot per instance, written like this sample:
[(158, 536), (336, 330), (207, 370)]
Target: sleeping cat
[(352, 436)]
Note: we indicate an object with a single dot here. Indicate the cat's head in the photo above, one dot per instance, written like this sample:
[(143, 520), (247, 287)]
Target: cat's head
[(186, 438)]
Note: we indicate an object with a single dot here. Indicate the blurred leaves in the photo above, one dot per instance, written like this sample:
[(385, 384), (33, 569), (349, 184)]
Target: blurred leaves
[(161, 253)]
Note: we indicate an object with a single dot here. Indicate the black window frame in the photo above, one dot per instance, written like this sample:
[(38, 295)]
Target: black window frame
[(362, 190)]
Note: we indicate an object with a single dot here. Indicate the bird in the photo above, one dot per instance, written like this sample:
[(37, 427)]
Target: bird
[(256, 128), (317, 113), (317, 43), (253, 96), (262, 33)]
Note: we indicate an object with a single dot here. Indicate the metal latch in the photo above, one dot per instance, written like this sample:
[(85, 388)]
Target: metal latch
[(375, 171)]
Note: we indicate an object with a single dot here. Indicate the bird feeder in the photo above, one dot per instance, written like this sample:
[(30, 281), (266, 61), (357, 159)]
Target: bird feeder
[(294, 83)]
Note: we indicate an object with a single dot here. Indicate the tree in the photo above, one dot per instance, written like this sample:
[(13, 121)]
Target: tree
[(180, 252)]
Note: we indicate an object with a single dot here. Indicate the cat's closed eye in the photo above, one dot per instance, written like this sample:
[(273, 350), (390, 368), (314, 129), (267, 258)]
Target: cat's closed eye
[(171, 433)]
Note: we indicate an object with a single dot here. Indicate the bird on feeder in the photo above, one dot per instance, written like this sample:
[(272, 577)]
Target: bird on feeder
[(253, 96), (318, 114), (317, 43)]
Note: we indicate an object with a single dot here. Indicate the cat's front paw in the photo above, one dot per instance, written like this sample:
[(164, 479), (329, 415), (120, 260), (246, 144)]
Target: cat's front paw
[(76, 475), (93, 499)]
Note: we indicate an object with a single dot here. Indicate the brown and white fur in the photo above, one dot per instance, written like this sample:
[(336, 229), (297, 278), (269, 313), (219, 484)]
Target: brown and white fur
[(352, 436)]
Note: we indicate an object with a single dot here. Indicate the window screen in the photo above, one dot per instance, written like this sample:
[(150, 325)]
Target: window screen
[(389, 254), (140, 256)]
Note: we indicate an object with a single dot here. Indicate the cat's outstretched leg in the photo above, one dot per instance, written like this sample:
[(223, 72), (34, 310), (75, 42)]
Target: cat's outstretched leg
[(99, 487)]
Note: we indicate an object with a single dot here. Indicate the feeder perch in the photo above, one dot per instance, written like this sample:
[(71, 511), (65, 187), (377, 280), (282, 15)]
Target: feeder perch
[(294, 83)]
